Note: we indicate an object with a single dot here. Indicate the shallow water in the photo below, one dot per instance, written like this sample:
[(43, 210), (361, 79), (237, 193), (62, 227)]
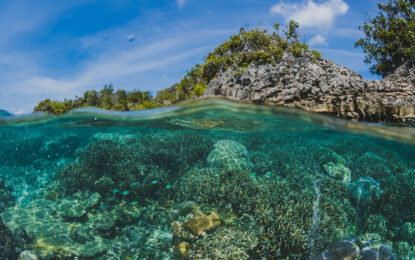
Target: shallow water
[(209, 180)]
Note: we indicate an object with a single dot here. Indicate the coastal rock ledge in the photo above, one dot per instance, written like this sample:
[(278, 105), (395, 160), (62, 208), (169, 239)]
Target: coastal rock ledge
[(320, 85)]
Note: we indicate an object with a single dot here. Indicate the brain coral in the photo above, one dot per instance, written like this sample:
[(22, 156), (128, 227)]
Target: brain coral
[(229, 155)]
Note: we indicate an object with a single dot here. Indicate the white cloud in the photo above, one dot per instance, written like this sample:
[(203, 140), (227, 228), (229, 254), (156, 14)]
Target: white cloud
[(180, 3), (318, 40), (104, 70), (312, 14)]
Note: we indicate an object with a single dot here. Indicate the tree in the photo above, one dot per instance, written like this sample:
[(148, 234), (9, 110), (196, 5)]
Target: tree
[(291, 32), (390, 36), (91, 97)]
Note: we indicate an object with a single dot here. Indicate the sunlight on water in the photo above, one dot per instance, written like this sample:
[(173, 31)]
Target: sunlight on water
[(207, 180)]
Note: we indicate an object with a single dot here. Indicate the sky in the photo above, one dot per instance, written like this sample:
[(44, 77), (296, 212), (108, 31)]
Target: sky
[(59, 49)]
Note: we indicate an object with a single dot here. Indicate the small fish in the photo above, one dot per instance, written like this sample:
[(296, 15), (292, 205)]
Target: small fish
[(216, 175), (154, 182), (253, 175), (134, 203), (115, 190), (134, 183), (125, 193), (168, 186), (268, 174)]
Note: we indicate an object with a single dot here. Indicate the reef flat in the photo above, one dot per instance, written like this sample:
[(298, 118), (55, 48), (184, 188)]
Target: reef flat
[(210, 182)]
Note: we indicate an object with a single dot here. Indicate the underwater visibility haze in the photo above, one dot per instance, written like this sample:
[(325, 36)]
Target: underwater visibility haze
[(208, 180)]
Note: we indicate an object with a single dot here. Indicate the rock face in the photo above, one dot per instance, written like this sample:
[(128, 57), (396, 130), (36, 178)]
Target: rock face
[(319, 85)]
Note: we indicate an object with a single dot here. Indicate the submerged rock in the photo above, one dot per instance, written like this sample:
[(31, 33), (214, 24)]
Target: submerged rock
[(229, 155), (341, 250), (28, 255), (351, 249)]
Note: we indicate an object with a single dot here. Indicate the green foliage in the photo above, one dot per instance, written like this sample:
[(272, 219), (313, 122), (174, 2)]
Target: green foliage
[(166, 96), (120, 100), (199, 89), (390, 36), (291, 31), (316, 54), (54, 107), (253, 46)]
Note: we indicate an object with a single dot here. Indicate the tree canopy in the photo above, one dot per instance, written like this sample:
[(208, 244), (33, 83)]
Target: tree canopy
[(106, 98), (389, 38)]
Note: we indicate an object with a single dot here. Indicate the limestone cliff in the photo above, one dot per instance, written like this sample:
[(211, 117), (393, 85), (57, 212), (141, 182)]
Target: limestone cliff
[(319, 85)]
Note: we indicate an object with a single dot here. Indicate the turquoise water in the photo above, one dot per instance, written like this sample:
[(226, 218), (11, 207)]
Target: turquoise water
[(210, 180)]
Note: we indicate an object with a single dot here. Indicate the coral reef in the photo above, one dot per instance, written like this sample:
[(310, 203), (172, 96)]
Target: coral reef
[(356, 249), (186, 187), (229, 155), (8, 246), (200, 224), (28, 255), (338, 171), (364, 192), (6, 198)]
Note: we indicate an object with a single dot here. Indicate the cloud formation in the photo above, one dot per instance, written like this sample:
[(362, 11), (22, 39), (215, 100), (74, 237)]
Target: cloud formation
[(312, 14), (318, 40)]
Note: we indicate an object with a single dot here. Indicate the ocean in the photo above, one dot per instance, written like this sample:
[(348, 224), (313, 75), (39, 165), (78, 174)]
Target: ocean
[(212, 179)]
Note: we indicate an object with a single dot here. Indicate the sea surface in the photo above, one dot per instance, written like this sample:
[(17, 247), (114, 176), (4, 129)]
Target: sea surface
[(207, 180)]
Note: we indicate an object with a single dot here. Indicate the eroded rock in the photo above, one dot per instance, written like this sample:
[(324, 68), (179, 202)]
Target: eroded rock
[(320, 85)]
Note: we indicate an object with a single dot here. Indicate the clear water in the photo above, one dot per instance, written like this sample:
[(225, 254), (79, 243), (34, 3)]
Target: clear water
[(210, 180)]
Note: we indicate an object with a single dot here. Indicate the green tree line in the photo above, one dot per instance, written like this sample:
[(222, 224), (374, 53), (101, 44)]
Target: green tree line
[(106, 98)]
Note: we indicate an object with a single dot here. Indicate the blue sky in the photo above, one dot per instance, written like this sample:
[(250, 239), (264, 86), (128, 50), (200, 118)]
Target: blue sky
[(58, 49)]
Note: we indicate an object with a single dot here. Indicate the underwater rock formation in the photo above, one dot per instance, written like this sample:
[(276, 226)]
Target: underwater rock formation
[(364, 192), (351, 249), (229, 155), (28, 255), (320, 85)]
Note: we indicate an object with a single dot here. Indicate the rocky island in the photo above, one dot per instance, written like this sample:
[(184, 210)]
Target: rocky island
[(266, 68), (320, 85)]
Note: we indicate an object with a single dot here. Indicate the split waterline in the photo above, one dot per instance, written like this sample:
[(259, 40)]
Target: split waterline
[(212, 179)]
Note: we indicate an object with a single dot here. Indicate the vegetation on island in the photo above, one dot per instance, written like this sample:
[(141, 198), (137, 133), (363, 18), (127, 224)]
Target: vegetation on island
[(389, 40), (249, 46)]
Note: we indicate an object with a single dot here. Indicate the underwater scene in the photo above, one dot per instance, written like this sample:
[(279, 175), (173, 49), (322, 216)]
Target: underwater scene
[(208, 180)]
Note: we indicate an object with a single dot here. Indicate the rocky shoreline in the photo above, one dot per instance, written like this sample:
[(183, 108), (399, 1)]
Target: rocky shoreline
[(320, 85)]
